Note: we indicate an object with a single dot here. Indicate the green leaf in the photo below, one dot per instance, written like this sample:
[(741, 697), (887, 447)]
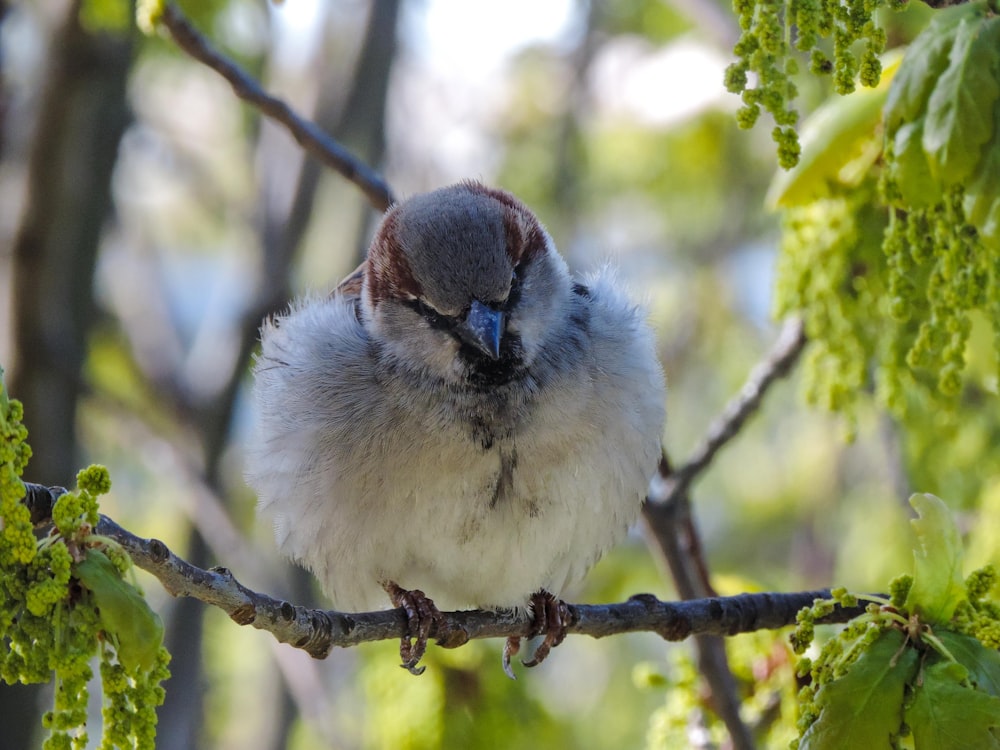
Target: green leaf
[(938, 584), (947, 714), (926, 59), (989, 229), (983, 663), (959, 120), (982, 195), (838, 135), (864, 708), (125, 614), (910, 170)]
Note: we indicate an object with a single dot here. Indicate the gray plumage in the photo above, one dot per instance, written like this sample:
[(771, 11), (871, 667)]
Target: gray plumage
[(388, 449)]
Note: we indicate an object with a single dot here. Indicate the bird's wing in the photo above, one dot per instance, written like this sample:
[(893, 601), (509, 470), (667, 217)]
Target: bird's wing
[(351, 285)]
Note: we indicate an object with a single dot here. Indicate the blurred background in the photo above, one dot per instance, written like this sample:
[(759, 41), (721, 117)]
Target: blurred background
[(149, 220)]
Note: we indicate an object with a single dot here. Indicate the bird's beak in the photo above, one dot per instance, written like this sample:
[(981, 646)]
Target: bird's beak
[(482, 329)]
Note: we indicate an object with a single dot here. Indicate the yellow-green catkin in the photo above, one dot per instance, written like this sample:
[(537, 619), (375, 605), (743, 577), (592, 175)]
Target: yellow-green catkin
[(773, 32), (50, 627)]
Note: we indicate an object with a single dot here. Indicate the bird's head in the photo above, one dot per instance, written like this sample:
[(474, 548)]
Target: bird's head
[(465, 283)]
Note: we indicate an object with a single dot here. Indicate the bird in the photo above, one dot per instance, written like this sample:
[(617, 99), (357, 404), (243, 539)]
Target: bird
[(461, 423)]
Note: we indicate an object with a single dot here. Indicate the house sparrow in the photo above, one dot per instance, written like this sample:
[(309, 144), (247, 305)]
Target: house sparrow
[(459, 416)]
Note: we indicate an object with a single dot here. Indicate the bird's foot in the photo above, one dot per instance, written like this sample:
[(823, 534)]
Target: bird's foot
[(421, 615), (550, 617)]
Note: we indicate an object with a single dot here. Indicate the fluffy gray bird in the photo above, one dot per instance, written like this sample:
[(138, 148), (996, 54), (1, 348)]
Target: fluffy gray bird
[(460, 417)]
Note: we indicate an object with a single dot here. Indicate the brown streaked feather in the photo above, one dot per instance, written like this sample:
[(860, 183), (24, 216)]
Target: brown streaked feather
[(351, 285), (390, 275), (387, 269)]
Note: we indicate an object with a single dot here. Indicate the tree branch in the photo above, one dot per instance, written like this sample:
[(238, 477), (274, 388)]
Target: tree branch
[(318, 631), (791, 342), (671, 523), (308, 135)]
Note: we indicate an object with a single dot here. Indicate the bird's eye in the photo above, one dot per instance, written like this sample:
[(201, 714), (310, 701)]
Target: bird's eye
[(433, 317)]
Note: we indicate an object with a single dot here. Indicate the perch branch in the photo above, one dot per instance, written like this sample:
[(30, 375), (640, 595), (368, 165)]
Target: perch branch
[(307, 133), (318, 631)]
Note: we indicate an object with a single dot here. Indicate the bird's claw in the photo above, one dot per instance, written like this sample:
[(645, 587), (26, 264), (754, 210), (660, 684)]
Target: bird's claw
[(550, 617), (510, 649), (421, 615)]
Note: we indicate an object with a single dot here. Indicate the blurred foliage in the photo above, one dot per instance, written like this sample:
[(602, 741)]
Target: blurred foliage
[(677, 202), (106, 15), (658, 22), (763, 666)]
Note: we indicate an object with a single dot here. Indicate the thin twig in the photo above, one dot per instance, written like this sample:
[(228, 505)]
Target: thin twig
[(309, 136), (318, 631), (779, 362), (676, 535), (671, 523)]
